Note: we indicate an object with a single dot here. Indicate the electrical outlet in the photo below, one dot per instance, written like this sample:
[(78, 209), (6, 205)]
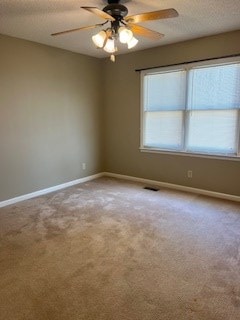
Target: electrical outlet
[(189, 174), (84, 166)]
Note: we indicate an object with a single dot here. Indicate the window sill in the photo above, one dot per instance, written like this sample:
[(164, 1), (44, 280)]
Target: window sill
[(191, 154)]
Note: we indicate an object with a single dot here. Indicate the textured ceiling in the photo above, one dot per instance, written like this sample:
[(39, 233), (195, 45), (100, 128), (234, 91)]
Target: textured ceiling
[(35, 20)]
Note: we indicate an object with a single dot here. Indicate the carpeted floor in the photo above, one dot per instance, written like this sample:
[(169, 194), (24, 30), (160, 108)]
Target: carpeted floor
[(110, 250)]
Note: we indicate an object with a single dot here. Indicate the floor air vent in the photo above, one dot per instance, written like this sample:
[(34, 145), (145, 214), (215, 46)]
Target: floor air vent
[(151, 188)]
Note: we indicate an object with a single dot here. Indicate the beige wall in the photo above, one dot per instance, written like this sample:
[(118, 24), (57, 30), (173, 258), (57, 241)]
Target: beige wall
[(50, 116), (122, 119), (53, 109)]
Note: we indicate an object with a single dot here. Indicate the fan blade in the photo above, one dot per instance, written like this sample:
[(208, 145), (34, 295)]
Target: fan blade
[(154, 15), (99, 13), (77, 29), (142, 31)]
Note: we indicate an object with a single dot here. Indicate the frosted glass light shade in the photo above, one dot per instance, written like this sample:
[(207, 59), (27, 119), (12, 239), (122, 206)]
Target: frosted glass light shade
[(99, 38), (110, 46), (125, 35), (132, 43)]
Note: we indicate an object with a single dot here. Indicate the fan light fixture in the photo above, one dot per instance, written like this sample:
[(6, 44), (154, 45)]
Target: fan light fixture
[(122, 27), (106, 39), (125, 35), (110, 46), (99, 39)]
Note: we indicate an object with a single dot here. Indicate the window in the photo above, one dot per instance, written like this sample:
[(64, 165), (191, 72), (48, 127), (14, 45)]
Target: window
[(192, 108)]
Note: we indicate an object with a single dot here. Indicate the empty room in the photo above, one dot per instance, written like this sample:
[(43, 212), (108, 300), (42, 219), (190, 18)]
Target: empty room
[(120, 160)]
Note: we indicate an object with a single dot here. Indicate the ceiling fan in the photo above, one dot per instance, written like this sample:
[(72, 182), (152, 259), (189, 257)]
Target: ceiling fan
[(122, 27)]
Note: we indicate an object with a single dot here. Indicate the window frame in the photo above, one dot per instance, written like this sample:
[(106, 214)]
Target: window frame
[(186, 67)]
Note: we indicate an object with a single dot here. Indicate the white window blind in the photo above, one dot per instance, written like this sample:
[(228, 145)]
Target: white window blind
[(194, 110), (214, 97), (164, 110)]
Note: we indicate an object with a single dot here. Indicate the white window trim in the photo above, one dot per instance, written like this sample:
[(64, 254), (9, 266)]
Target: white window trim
[(186, 66)]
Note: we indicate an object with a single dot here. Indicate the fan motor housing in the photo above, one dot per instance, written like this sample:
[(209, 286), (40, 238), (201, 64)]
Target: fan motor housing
[(118, 11)]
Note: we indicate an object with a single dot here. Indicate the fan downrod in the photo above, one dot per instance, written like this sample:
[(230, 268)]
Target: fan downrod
[(113, 1)]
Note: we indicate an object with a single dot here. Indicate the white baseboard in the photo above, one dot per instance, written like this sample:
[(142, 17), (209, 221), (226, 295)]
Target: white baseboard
[(119, 176), (175, 186), (48, 190)]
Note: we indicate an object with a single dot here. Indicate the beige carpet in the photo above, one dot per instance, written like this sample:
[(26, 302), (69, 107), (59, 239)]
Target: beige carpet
[(110, 250)]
